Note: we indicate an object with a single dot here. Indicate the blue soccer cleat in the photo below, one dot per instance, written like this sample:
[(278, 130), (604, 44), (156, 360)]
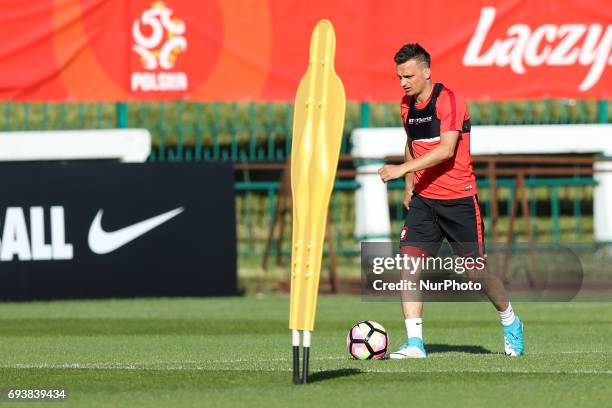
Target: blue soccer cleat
[(413, 348), (513, 338)]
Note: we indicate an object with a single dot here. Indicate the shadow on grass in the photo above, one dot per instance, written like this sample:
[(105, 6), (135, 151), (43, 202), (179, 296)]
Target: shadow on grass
[(457, 348), (331, 374)]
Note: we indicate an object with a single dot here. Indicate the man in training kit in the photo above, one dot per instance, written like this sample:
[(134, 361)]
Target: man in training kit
[(440, 192)]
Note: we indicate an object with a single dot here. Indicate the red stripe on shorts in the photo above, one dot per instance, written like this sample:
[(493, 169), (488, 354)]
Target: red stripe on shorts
[(478, 226)]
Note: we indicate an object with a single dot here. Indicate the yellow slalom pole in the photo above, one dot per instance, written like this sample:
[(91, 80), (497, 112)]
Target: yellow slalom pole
[(318, 120)]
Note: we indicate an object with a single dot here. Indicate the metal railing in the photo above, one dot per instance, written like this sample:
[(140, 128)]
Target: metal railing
[(260, 132), (561, 211)]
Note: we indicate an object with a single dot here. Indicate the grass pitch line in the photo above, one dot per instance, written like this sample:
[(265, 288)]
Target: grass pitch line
[(365, 369), (501, 370), (432, 355), (205, 364), (578, 352)]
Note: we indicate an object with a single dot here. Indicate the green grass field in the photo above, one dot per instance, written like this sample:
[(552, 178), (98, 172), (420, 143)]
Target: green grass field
[(236, 352)]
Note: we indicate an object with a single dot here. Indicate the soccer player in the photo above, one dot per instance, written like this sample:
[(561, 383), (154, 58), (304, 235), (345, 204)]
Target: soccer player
[(440, 191)]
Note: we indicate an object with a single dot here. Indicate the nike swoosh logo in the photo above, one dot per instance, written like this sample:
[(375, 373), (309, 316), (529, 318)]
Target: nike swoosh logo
[(102, 242)]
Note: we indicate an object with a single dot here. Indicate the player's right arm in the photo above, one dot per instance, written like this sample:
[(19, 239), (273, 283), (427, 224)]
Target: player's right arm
[(409, 177)]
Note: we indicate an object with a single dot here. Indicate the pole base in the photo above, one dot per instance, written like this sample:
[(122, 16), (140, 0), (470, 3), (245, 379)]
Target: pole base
[(296, 365), (305, 366)]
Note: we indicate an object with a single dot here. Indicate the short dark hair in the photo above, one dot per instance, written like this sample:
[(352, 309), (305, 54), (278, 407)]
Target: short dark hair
[(412, 51)]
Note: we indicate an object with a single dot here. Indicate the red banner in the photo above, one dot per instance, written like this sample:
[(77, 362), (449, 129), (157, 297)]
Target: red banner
[(222, 50)]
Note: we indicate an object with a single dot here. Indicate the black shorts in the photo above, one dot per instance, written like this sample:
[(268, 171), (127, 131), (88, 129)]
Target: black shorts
[(429, 221)]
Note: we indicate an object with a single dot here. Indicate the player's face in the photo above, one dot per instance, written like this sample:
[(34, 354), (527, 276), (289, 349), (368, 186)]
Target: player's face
[(413, 76)]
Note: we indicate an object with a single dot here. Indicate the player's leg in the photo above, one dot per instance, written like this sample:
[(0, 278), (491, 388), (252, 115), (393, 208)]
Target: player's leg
[(412, 308), (462, 225), (420, 238)]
